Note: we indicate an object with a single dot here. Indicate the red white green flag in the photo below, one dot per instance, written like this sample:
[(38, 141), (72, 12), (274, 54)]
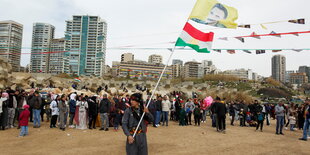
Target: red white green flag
[(196, 39)]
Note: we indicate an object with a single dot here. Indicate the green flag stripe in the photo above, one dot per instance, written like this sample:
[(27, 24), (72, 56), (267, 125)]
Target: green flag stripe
[(180, 42)]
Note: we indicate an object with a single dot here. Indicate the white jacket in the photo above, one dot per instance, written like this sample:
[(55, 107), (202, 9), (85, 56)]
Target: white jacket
[(166, 105), (54, 108), (2, 99)]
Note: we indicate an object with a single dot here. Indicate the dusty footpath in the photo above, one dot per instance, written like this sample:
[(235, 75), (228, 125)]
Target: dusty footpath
[(163, 140)]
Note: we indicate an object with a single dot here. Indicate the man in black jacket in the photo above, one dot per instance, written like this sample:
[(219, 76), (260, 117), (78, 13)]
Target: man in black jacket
[(158, 111), (92, 112), (220, 110), (104, 110)]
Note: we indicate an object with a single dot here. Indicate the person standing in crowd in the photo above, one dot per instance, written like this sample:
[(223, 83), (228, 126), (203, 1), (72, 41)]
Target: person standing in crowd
[(177, 105), (72, 108), (20, 104), (191, 107), (158, 104), (301, 119), (11, 108), (242, 116), (54, 110), (182, 117), (197, 115), (306, 127), (117, 119), (292, 121), (136, 145), (23, 121), (83, 105), (279, 111), (62, 112), (260, 121), (152, 107), (232, 112), (267, 112), (36, 102), (220, 110), (104, 109), (92, 112), (166, 104), (4, 110), (203, 107)]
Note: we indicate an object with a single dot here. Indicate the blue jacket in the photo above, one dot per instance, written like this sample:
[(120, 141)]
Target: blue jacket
[(72, 106)]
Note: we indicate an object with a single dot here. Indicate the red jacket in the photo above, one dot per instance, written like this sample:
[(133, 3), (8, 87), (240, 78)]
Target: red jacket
[(24, 117)]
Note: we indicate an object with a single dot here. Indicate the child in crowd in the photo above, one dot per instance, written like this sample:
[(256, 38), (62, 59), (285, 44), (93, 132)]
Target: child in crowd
[(23, 121), (292, 121), (260, 121), (182, 116), (241, 117), (117, 119), (197, 115)]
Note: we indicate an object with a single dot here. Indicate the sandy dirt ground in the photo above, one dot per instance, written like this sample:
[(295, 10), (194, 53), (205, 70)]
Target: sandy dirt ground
[(163, 140)]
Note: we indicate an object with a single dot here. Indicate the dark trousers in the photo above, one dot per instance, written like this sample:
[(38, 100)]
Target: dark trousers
[(186, 119), (232, 119), (221, 122), (92, 121), (54, 120), (177, 114), (266, 115), (261, 124), (71, 115), (197, 119), (242, 121), (190, 118)]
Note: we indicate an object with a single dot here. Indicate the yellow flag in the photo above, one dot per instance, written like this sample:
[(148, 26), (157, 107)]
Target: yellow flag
[(213, 13)]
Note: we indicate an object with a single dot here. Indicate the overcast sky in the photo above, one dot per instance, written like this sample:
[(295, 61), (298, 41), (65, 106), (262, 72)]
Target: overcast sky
[(149, 23)]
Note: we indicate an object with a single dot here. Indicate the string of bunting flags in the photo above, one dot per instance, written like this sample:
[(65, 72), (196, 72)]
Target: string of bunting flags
[(257, 51)]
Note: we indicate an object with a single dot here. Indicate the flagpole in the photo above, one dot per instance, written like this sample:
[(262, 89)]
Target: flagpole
[(154, 90)]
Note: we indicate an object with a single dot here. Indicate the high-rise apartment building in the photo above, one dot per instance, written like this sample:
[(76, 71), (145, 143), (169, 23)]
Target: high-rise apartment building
[(278, 67), (57, 61), (191, 69), (85, 41), (42, 36), (155, 59), (11, 35), (177, 61)]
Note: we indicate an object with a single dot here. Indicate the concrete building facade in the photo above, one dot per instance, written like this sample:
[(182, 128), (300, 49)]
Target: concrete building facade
[(278, 68), (11, 35)]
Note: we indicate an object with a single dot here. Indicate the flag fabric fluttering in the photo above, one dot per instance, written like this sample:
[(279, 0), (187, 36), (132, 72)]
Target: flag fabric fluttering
[(196, 39), (276, 51), (217, 50), (213, 13), (254, 35), (247, 51), (224, 38), (231, 51), (297, 21), (263, 26), (260, 51), (297, 50)]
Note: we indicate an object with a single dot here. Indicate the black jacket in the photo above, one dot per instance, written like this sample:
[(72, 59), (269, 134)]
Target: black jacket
[(220, 109), (92, 108), (158, 105), (105, 106)]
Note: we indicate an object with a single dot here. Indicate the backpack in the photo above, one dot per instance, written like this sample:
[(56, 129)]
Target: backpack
[(260, 117)]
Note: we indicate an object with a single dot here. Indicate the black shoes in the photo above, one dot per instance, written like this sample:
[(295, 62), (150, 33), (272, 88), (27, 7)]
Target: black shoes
[(303, 139)]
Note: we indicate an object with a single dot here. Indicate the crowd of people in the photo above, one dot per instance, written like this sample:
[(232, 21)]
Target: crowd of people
[(89, 112)]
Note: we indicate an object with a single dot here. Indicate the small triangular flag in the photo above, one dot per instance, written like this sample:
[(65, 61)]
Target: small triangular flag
[(231, 51), (275, 34), (240, 38), (276, 51), (170, 49), (295, 34), (263, 26), (245, 26), (297, 50), (297, 21), (254, 35), (224, 38), (247, 51)]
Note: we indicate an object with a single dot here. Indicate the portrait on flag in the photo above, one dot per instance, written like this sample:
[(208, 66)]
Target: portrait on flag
[(213, 13)]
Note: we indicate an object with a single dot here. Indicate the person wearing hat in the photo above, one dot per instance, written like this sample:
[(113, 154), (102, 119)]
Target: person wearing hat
[(23, 121), (4, 110), (138, 144)]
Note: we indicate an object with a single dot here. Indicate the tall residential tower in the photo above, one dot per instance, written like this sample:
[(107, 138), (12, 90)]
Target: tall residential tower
[(11, 34), (278, 67), (85, 41)]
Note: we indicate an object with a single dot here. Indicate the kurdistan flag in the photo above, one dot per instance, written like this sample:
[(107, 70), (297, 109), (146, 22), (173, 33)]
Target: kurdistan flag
[(196, 39)]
